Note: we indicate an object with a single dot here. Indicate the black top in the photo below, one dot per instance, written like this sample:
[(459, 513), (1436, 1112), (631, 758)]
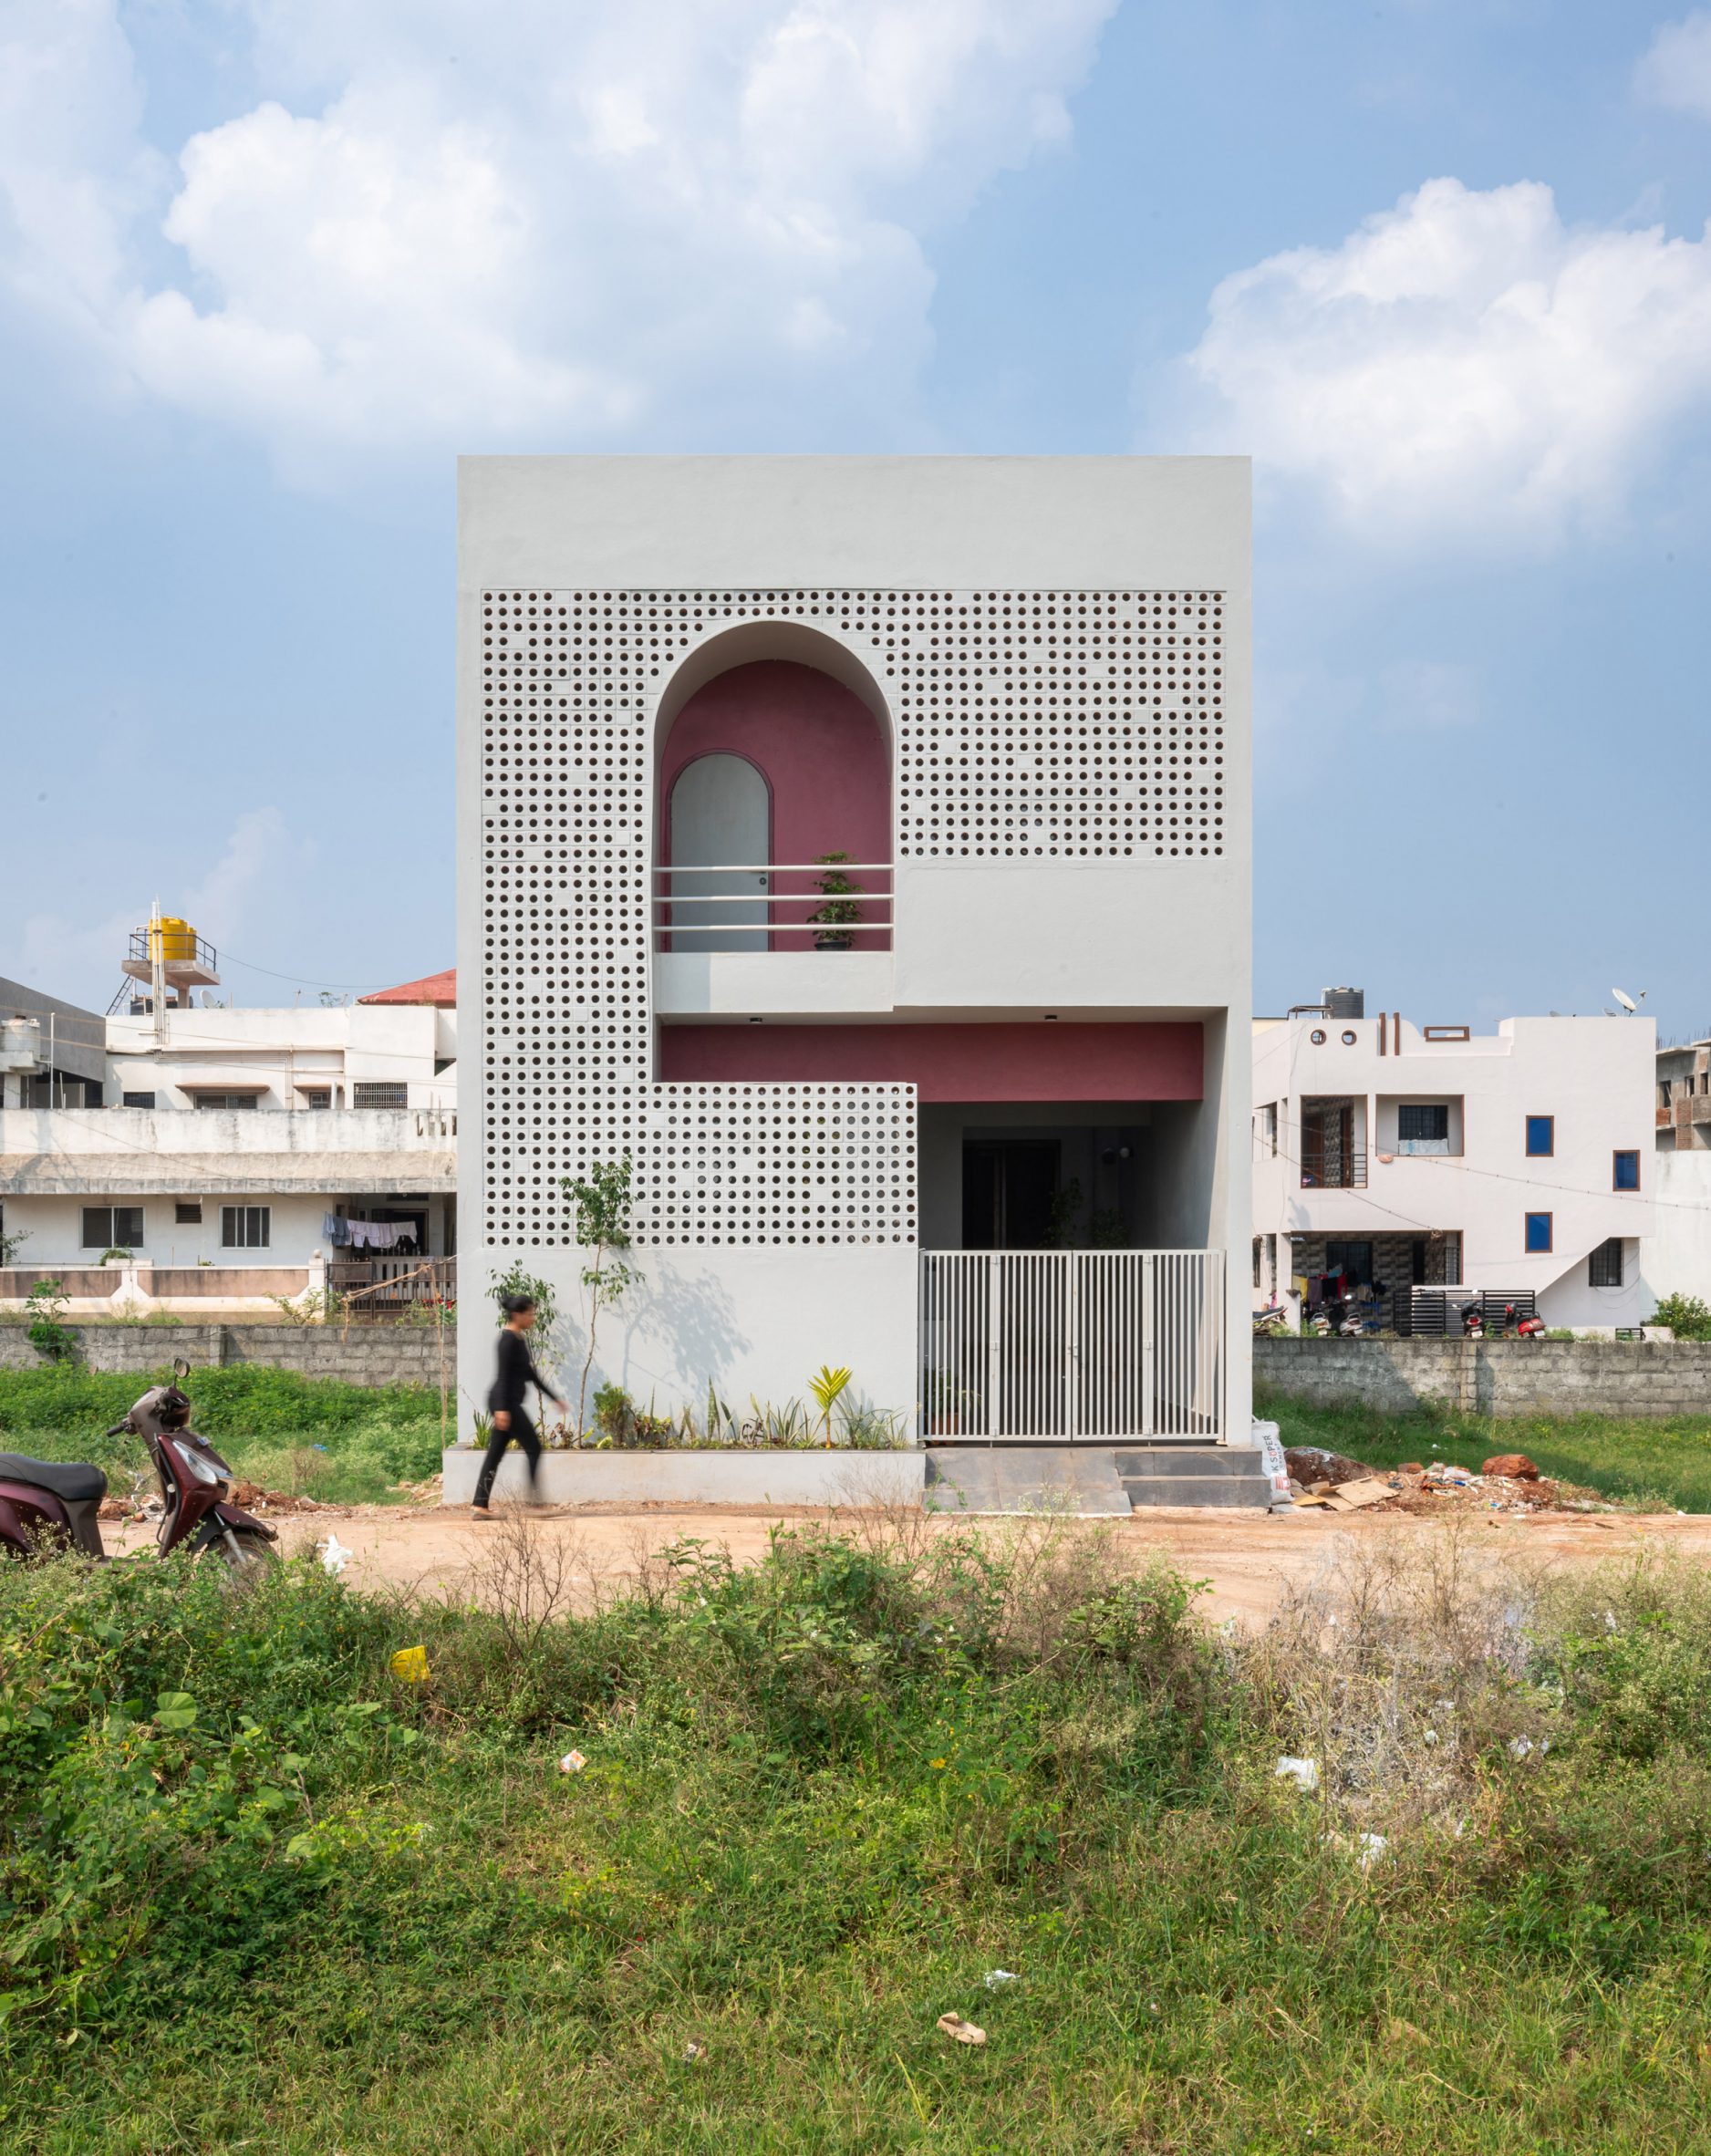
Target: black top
[(515, 1374)]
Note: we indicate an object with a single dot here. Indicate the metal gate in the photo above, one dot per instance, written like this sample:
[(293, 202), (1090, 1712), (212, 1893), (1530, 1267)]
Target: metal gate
[(1072, 1344)]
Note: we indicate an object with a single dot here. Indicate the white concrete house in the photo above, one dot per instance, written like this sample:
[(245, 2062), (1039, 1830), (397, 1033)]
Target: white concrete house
[(1678, 1258), (859, 848), (216, 1145), (1430, 1157)]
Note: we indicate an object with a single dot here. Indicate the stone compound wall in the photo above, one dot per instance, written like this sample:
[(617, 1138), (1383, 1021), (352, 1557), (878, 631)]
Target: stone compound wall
[(367, 1355), (1496, 1377)]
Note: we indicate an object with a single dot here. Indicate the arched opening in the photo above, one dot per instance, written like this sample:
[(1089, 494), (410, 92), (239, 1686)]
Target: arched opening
[(720, 821), (773, 764)]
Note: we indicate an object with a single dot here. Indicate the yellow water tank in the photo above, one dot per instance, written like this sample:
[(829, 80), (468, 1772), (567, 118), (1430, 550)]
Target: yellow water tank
[(171, 942)]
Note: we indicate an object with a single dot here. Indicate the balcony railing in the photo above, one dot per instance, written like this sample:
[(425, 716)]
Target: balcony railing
[(1332, 1166), (784, 907)]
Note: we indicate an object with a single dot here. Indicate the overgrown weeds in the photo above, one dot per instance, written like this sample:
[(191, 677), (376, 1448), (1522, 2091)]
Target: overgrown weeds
[(250, 1882)]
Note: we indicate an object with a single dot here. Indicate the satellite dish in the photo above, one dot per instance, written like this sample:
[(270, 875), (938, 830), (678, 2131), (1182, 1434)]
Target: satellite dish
[(1627, 1002)]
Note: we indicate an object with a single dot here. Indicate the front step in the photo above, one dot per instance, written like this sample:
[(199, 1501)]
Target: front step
[(1078, 1480), (1091, 1480), (1193, 1475)]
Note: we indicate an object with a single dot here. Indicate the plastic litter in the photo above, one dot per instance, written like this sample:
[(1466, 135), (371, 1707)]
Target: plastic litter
[(959, 2031), (996, 1979), (1365, 1849), (1304, 1773), (572, 1763), (694, 2049), (335, 1557), (410, 1664)]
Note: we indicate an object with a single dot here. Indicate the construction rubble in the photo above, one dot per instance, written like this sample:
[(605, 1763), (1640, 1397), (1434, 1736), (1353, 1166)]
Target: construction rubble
[(1509, 1482)]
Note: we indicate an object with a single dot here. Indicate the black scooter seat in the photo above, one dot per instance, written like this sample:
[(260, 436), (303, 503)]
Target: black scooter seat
[(73, 1480)]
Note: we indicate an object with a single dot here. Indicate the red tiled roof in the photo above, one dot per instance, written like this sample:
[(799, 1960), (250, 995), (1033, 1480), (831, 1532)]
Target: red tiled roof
[(438, 988)]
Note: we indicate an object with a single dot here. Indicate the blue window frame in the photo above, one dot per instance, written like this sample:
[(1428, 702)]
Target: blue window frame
[(1542, 1136), (1624, 1174), (1539, 1235)]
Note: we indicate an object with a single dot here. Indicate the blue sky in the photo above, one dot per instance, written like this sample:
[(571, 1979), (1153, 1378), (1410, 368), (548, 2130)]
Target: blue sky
[(1441, 267)]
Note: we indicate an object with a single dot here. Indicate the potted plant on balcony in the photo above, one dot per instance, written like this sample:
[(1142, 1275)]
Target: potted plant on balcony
[(834, 922)]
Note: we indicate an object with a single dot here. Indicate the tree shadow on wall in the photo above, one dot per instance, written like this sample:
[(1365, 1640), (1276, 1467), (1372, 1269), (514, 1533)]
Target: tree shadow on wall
[(693, 1325)]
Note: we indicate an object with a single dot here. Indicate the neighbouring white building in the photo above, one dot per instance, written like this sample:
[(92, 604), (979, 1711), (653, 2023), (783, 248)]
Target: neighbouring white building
[(1411, 1159), (1678, 1258), (859, 848), (231, 1154)]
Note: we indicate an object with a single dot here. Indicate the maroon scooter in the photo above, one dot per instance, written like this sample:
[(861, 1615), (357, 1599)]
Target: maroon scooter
[(46, 1507)]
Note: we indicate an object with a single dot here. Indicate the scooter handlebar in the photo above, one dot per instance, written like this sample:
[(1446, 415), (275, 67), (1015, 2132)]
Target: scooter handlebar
[(118, 1429)]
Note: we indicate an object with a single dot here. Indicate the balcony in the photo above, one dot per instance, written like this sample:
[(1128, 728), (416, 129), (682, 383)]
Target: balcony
[(756, 942), (1333, 1143), (46, 1152), (1332, 1166), (818, 906)]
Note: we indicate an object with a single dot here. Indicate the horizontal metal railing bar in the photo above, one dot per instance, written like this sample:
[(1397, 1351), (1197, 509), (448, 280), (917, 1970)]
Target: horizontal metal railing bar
[(775, 899), (1123, 1250), (779, 868)]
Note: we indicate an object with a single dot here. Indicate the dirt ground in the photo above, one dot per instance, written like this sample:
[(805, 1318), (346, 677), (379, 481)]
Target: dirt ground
[(1249, 1557)]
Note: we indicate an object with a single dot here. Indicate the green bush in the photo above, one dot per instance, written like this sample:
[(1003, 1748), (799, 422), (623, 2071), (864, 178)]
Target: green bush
[(1686, 1315)]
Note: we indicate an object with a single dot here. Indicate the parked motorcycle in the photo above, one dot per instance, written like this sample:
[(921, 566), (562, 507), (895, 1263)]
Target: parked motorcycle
[(1473, 1320), (47, 1505)]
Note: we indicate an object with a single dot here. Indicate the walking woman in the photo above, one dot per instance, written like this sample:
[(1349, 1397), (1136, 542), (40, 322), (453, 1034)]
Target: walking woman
[(515, 1374)]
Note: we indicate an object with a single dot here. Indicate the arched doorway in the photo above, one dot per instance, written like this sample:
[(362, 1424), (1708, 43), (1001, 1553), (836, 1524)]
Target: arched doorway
[(720, 817), (782, 751)]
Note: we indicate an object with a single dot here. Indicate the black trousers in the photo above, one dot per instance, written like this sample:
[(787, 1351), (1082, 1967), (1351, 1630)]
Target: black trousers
[(523, 1431)]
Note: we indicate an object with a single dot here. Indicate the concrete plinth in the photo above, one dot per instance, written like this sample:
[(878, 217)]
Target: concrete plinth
[(699, 1478)]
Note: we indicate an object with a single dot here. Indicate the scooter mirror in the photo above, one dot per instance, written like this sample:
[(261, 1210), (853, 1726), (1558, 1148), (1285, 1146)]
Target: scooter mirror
[(180, 1368)]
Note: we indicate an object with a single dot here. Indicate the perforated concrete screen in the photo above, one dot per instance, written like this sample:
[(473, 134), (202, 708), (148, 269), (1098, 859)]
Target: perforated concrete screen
[(1028, 725)]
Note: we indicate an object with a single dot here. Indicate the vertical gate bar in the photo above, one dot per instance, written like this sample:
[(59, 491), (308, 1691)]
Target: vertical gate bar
[(994, 1410), (1149, 1345)]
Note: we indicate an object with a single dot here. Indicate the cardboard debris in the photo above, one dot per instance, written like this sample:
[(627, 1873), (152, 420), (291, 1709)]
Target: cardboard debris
[(959, 2031), (1350, 1497)]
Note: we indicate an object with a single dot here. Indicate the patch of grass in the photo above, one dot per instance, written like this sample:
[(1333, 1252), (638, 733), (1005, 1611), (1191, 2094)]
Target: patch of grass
[(253, 1888), (1663, 1460), (315, 1437)]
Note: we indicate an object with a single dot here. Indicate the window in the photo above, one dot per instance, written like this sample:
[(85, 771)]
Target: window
[(246, 1228), (1256, 1260), (1354, 1259), (140, 1099), (317, 1096), (187, 1213), (1537, 1234), (1542, 1136), (112, 1227), (227, 1100), (1265, 1132), (1423, 1126), (1603, 1268), (378, 1093), (1624, 1172)]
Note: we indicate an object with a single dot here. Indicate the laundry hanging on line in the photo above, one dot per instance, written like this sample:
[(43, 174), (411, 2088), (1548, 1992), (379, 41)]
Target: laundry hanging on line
[(375, 1235), (365, 1235)]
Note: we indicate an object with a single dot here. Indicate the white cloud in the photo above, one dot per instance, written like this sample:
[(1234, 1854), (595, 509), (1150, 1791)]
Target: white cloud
[(1675, 70), (458, 224), (256, 880), (1464, 363)]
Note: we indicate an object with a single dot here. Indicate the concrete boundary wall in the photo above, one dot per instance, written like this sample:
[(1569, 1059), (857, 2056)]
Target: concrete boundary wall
[(367, 1355), (1496, 1377)]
